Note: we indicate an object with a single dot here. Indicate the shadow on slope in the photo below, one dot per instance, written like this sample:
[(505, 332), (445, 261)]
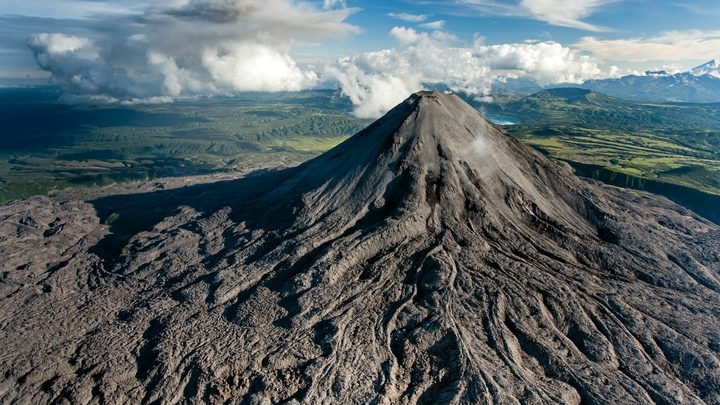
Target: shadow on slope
[(704, 204), (129, 214)]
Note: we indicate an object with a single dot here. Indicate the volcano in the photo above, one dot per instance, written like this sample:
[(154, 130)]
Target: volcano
[(429, 259)]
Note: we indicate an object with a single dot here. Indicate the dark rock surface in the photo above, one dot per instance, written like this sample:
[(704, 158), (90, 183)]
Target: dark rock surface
[(429, 259)]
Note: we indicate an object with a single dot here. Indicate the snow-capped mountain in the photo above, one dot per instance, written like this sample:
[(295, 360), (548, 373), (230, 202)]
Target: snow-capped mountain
[(680, 87), (710, 68), (697, 85)]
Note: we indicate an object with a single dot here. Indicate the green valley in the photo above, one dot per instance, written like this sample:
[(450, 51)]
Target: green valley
[(671, 149), (46, 145)]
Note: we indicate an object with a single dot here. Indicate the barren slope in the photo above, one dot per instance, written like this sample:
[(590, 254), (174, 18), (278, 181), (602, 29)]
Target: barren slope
[(429, 259)]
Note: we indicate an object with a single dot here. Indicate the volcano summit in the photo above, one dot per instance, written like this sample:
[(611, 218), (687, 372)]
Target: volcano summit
[(429, 259)]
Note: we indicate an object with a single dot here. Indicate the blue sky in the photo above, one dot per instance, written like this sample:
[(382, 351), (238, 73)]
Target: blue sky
[(155, 51), (628, 22)]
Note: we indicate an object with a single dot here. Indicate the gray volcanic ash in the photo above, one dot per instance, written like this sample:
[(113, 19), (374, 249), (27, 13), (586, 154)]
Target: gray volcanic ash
[(429, 259)]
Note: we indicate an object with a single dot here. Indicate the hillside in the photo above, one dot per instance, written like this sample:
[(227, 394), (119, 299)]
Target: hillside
[(671, 149), (429, 259), (581, 107)]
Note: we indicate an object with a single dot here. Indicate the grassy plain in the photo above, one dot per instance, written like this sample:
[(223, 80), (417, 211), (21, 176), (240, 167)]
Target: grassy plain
[(671, 149), (675, 143), (46, 145)]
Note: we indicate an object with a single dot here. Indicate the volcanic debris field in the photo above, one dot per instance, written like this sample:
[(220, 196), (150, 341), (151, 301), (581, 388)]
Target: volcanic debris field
[(429, 259)]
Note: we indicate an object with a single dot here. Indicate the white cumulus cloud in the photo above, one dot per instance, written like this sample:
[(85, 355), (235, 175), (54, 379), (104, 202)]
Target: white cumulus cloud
[(377, 81), (248, 66), (78, 65), (55, 44), (546, 62), (193, 47)]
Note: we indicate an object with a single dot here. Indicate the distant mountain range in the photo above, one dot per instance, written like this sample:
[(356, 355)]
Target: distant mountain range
[(588, 108), (698, 85)]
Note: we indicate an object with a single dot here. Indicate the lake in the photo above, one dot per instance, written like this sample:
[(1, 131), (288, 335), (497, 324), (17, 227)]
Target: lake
[(501, 119)]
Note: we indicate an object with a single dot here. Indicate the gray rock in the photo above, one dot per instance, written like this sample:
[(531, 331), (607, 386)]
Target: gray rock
[(429, 259)]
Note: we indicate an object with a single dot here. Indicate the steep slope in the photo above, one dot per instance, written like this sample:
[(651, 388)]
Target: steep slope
[(709, 68), (429, 259)]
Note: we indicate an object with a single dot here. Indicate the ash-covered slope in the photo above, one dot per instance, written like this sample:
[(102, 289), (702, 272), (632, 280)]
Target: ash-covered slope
[(429, 259)]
